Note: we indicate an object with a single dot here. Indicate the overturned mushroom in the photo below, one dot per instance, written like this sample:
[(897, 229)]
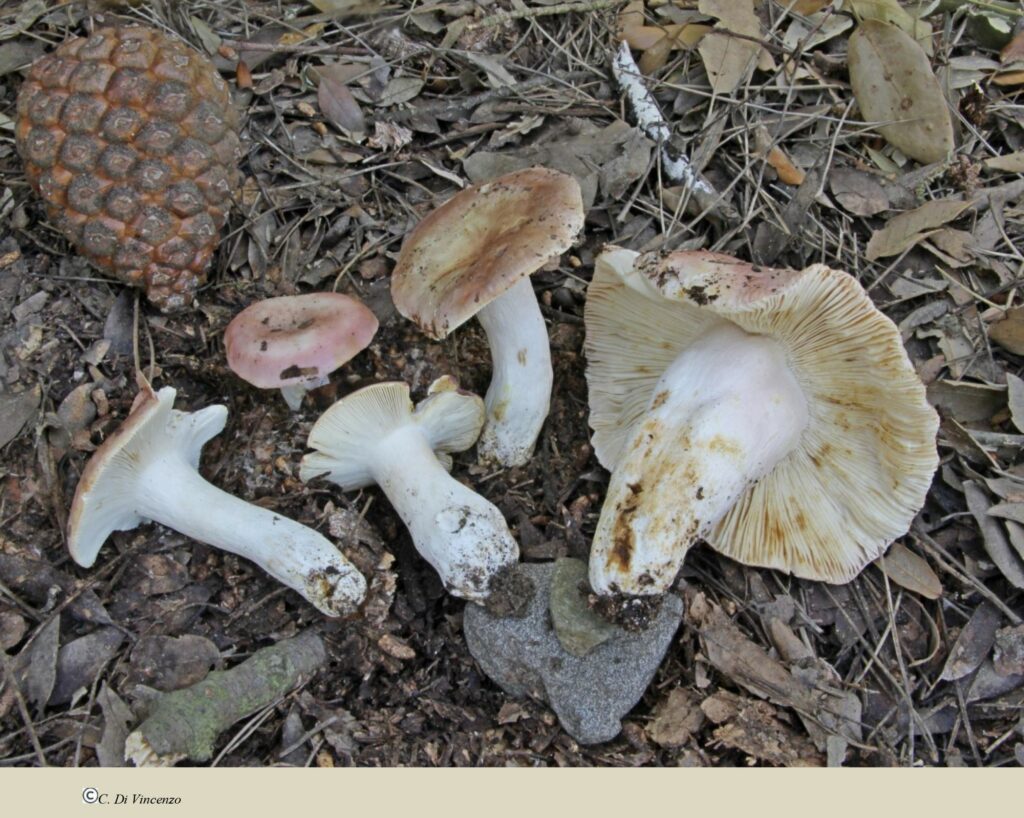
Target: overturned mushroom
[(148, 470), (375, 435), (773, 413), (474, 256), (294, 342)]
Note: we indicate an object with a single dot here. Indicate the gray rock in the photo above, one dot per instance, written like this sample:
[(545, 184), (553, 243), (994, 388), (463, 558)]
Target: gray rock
[(589, 694), (578, 628)]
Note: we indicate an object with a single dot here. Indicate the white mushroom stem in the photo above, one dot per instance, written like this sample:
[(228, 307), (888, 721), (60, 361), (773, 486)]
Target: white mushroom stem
[(456, 530), (172, 493), (148, 471), (519, 396), (293, 393), (723, 414), (375, 435)]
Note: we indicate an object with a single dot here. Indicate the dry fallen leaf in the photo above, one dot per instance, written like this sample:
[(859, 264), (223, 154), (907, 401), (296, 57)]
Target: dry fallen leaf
[(906, 568), (15, 411), (1013, 50), (729, 59), (894, 85), (1008, 78), (1008, 163), (338, 105), (858, 192), (1008, 332), (1015, 399), (676, 719), (905, 230), (996, 544), (973, 644), (890, 11), (340, 7)]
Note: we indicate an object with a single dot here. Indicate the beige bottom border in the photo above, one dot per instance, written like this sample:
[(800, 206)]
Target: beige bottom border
[(494, 793)]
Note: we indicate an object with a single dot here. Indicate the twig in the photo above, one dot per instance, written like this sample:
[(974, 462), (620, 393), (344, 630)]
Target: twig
[(648, 116), (186, 723)]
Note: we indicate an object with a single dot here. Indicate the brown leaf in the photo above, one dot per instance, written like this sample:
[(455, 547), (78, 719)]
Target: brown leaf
[(676, 719), (1008, 511), (906, 568), (755, 730), (12, 629), (1008, 162), (858, 192), (1008, 332), (728, 59), (42, 663), (973, 644), (17, 409), (1013, 50), (116, 718), (1015, 399), (809, 6), (341, 7), (1008, 658), (399, 90), (79, 662), (894, 85), (395, 647), (993, 536), (969, 402), (906, 229), (338, 105), (890, 11), (170, 663), (1008, 78)]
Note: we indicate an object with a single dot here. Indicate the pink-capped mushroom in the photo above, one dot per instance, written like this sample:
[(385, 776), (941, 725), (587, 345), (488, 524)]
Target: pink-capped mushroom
[(294, 342)]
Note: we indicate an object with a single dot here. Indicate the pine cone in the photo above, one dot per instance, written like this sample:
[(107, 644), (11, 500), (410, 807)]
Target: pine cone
[(131, 139)]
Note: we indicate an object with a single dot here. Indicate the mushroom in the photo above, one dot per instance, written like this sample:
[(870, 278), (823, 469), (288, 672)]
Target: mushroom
[(148, 470), (773, 413), (375, 435), (474, 256), (294, 342)]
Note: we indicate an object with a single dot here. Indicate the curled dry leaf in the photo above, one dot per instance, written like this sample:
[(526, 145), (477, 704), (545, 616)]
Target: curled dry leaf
[(905, 230), (894, 85)]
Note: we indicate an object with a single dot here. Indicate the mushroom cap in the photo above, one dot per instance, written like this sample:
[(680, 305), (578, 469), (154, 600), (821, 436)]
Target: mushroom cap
[(104, 499), (450, 418), (293, 339), (865, 461), (479, 243)]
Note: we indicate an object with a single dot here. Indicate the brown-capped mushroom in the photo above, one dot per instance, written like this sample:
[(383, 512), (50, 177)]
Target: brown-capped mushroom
[(474, 256)]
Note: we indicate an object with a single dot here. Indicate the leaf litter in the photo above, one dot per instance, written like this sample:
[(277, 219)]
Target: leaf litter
[(359, 117)]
